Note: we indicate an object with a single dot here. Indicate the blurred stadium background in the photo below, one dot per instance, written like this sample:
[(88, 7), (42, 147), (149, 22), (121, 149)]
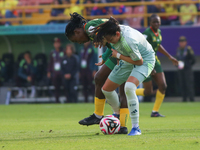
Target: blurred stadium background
[(33, 24)]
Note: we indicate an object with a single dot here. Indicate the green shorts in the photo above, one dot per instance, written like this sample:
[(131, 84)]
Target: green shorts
[(157, 68), (111, 62), (121, 72)]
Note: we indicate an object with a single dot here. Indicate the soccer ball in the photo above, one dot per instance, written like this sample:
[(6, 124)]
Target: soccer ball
[(109, 125)]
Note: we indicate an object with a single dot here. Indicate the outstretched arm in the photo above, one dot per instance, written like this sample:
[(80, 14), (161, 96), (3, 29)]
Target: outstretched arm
[(162, 50)]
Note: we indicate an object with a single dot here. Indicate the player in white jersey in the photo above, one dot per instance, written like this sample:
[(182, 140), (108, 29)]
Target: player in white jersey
[(136, 62)]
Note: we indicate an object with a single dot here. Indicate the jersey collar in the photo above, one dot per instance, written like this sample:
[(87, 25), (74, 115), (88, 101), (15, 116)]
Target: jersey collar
[(156, 34)]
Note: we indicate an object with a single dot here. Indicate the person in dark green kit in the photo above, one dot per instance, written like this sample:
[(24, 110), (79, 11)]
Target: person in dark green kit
[(78, 30), (26, 74), (154, 37)]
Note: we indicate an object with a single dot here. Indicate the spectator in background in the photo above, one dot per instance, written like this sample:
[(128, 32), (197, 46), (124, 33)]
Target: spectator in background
[(1, 23), (117, 11), (9, 12), (2, 72), (186, 58), (89, 9), (54, 68), (170, 8), (97, 10), (56, 11), (74, 7), (69, 67), (87, 69), (26, 74), (186, 19)]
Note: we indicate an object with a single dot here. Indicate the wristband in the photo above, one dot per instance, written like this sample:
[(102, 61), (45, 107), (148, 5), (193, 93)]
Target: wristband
[(118, 55)]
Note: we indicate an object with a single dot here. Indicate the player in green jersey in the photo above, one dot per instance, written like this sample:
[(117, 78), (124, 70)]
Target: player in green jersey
[(153, 36), (136, 62), (78, 30)]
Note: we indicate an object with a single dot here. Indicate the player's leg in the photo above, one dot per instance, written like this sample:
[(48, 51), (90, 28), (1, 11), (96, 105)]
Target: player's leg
[(147, 89), (99, 100), (133, 104), (124, 112), (189, 82), (159, 78)]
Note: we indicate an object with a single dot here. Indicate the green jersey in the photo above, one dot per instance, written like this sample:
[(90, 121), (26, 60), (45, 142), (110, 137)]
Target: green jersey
[(91, 24), (153, 38), (88, 28)]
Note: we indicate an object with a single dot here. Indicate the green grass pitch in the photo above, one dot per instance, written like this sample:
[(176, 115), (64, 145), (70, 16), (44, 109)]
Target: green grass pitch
[(55, 127)]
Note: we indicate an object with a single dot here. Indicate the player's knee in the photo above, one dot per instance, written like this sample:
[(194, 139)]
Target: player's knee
[(162, 88), (129, 88), (99, 81)]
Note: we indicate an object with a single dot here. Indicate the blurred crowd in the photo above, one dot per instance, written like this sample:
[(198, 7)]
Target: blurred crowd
[(134, 22), (65, 68)]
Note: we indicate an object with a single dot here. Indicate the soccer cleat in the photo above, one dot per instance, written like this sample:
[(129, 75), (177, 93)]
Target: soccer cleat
[(123, 130), (156, 114), (135, 131), (92, 119)]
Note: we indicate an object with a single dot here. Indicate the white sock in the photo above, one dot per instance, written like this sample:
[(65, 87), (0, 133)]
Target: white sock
[(135, 125), (98, 116), (133, 104), (112, 99)]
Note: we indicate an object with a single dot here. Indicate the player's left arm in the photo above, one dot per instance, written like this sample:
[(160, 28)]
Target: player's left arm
[(162, 50)]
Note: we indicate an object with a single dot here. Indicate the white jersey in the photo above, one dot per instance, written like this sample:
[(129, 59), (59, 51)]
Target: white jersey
[(133, 43)]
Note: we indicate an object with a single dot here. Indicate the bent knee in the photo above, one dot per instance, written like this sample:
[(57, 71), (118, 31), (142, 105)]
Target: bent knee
[(98, 79), (129, 87), (162, 88)]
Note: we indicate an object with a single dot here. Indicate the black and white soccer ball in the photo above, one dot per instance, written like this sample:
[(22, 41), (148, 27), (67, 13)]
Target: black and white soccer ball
[(109, 125)]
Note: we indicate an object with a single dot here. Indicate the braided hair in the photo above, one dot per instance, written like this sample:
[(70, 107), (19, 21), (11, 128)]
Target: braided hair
[(110, 27), (76, 21)]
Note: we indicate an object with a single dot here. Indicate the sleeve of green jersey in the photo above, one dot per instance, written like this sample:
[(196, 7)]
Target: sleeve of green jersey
[(147, 35), (107, 53)]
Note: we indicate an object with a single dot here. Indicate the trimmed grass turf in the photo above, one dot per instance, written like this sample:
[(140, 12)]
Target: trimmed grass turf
[(55, 127)]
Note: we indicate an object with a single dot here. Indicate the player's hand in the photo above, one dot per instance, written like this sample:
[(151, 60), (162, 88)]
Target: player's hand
[(153, 72), (114, 53), (100, 63), (174, 61)]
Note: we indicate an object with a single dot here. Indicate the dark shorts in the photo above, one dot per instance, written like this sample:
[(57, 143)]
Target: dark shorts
[(158, 69)]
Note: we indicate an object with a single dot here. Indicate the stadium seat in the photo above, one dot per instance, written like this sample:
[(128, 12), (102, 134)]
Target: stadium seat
[(45, 1), (28, 3), (137, 20)]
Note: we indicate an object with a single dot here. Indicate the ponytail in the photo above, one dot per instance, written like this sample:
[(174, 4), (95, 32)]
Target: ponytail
[(110, 27)]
